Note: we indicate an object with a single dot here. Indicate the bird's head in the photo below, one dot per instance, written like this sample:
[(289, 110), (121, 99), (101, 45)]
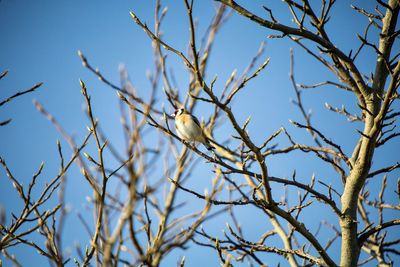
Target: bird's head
[(178, 112)]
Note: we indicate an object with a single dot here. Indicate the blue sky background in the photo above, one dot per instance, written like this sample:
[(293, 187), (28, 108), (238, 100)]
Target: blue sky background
[(39, 43)]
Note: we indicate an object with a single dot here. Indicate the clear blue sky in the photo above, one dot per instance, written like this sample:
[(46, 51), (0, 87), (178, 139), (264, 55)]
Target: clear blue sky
[(39, 43)]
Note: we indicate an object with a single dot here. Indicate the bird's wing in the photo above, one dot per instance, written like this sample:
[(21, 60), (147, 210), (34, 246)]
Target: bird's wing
[(195, 120)]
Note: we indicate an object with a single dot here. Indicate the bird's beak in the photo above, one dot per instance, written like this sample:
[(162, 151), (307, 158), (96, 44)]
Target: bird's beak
[(173, 115)]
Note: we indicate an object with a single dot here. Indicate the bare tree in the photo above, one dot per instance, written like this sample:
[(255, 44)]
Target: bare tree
[(134, 223), (18, 94)]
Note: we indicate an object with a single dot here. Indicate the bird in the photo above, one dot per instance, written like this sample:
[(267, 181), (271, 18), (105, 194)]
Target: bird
[(189, 129)]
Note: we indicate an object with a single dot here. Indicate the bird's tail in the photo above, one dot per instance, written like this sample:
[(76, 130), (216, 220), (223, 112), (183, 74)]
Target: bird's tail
[(207, 144)]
